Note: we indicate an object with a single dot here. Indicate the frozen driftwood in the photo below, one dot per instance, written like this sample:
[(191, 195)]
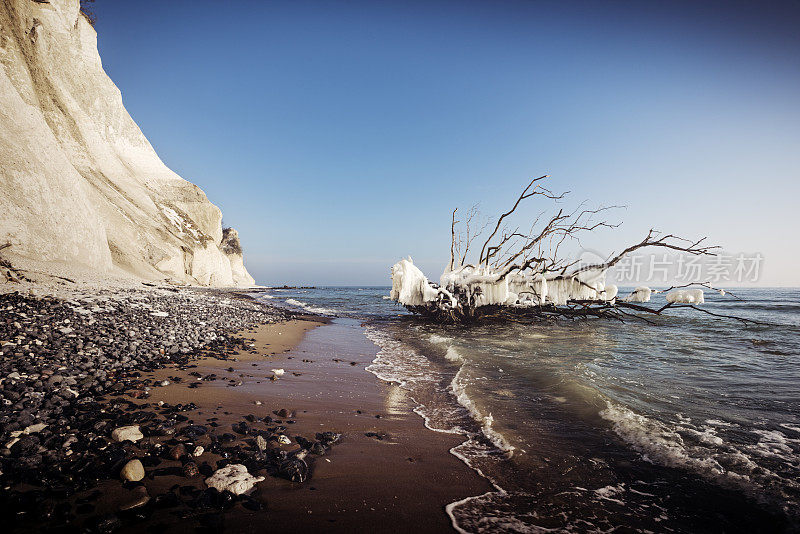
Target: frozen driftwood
[(521, 275)]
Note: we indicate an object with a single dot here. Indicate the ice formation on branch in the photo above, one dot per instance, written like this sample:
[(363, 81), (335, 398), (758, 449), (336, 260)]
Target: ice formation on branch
[(520, 274), (685, 296), (640, 294)]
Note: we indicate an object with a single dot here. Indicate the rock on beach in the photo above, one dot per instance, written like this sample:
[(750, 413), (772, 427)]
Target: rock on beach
[(127, 433), (133, 471), (233, 478)]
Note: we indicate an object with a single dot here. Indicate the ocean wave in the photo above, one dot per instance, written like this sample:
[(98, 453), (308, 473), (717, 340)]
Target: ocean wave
[(459, 387), (406, 367), (309, 308), (702, 450), (519, 512), (396, 362)]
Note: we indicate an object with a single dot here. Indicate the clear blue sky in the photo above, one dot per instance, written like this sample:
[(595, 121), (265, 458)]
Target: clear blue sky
[(337, 137)]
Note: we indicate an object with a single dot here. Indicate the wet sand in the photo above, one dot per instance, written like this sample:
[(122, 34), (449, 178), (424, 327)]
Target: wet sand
[(398, 479)]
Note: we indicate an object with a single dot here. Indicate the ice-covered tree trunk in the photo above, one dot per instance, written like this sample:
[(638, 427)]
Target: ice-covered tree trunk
[(521, 275)]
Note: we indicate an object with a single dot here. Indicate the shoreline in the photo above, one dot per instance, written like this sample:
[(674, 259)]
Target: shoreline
[(386, 472)]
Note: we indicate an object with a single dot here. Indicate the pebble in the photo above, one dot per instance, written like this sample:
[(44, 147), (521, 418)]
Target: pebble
[(178, 451), (133, 471), (233, 478), (127, 433), (72, 369), (190, 470), (138, 497), (294, 469)]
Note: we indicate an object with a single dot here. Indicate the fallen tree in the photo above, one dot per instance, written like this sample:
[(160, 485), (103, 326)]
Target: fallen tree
[(520, 275)]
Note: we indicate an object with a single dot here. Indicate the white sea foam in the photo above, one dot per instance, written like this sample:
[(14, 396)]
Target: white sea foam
[(655, 440), (400, 364), (453, 355), (396, 363), (708, 454), (459, 387), (717, 422), (774, 443), (309, 308), (610, 493)]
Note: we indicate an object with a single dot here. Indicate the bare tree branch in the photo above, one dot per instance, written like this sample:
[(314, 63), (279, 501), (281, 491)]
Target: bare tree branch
[(544, 285)]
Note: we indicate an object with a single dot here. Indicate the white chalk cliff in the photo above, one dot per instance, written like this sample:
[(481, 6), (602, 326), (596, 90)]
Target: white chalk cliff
[(79, 182)]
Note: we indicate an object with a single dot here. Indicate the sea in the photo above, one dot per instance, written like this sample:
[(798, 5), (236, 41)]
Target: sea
[(690, 424)]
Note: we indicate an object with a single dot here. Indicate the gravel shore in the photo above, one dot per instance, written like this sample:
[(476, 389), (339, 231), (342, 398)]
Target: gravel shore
[(74, 413)]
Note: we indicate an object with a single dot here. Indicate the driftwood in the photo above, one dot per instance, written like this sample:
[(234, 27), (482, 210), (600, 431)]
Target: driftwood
[(511, 257)]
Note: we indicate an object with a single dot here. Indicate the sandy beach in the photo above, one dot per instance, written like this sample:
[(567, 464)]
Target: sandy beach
[(387, 473), (286, 380)]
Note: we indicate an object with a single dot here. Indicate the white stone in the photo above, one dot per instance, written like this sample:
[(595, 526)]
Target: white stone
[(129, 433), (132, 471), (233, 478), (38, 427)]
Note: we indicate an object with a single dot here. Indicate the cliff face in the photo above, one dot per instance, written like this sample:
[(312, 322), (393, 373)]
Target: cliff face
[(79, 182)]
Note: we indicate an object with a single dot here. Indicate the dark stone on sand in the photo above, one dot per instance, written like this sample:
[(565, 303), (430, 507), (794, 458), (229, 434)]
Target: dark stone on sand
[(251, 504), (138, 497), (294, 469), (328, 438), (305, 443), (190, 470), (177, 452), (26, 446), (207, 498), (241, 428), (193, 431), (78, 373), (206, 470)]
